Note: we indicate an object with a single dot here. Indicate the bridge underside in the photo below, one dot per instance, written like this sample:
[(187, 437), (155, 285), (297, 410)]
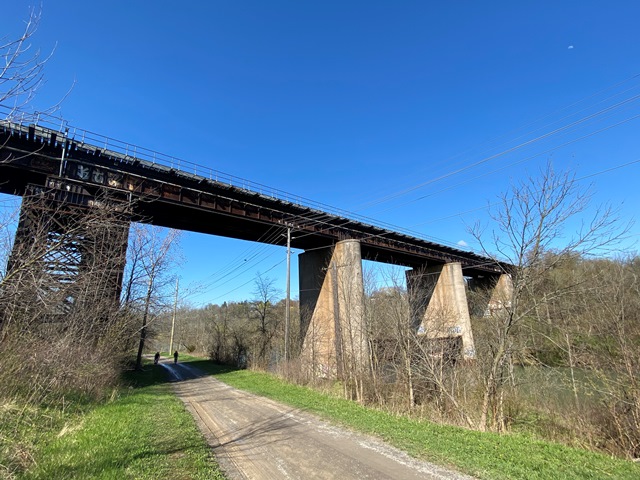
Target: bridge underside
[(76, 177), (176, 199)]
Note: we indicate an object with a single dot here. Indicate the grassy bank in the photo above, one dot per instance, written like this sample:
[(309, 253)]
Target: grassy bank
[(144, 432), (485, 455)]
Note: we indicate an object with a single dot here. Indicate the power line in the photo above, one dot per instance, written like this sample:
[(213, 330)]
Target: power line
[(609, 127), (248, 282), (493, 204), (239, 268), (607, 110), (508, 150)]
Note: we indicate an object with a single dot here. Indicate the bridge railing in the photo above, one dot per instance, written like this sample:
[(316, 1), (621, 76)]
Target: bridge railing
[(46, 124)]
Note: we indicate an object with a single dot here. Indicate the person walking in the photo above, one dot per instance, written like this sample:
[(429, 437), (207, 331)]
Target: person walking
[(156, 358), (175, 356)]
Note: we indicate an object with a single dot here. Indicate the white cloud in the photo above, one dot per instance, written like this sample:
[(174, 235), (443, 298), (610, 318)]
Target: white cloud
[(462, 243), (570, 47)]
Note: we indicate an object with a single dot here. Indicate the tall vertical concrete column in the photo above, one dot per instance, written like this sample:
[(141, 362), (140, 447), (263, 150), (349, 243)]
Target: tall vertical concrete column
[(332, 332), (438, 304)]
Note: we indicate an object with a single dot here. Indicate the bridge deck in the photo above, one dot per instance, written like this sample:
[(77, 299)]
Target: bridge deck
[(31, 157)]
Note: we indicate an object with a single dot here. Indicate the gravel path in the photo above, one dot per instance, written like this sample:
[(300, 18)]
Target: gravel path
[(256, 438)]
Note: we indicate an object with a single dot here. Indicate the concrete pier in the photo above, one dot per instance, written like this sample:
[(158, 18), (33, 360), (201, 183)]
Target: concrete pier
[(501, 295), (438, 305), (492, 294), (332, 331)]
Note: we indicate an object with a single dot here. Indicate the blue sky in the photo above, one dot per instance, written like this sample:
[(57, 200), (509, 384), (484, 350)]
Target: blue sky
[(363, 105)]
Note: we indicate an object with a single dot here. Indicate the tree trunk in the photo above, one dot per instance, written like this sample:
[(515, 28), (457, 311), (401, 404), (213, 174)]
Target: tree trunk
[(143, 330)]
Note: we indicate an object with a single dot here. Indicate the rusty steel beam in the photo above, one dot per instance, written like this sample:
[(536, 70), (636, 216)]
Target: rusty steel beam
[(173, 198)]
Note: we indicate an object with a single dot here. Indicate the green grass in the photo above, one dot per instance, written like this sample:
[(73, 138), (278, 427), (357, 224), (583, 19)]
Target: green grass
[(485, 455), (143, 433)]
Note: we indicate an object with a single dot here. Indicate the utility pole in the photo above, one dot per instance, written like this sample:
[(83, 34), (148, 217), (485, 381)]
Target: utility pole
[(287, 314), (173, 318)]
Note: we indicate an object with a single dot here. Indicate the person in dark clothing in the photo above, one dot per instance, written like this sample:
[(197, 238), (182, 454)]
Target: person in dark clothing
[(156, 358), (175, 356)]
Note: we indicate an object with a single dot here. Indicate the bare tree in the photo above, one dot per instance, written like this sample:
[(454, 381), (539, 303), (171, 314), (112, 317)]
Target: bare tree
[(152, 254), (22, 68), (60, 320), (265, 298), (387, 313), (595, 334), (414, 365), (530, 222), (615, 325), (219, 350)]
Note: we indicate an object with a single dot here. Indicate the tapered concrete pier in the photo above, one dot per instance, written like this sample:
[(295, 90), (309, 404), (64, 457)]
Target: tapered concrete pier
[(438, 305), (333, 338)]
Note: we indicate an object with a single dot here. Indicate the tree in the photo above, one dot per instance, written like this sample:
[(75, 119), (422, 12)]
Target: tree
[(265, 298), (151, 255), (411, 365), (387, 313), (594, 332), (615, 332), (60, 321), (531, 222), (22, 69)]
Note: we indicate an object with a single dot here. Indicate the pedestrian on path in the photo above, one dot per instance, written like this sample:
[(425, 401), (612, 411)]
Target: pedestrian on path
[(175, 356), (156, 358)]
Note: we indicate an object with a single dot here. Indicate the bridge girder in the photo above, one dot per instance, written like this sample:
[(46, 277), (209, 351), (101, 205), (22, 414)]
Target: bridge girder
[(176, 199)]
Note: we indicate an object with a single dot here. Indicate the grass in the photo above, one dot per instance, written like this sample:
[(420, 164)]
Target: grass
[(485, 455), (143, 433)]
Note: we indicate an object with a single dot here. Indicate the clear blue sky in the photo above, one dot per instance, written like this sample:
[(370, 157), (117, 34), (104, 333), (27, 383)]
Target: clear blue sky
[(352, 102)]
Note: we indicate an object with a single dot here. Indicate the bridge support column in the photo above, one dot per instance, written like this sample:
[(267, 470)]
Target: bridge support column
[(438, 305), (332, 332), (67, 258), (494, 294)]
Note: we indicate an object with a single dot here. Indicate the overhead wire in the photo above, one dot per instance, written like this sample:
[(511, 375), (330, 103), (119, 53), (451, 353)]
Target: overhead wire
[(492, 204), (510, 149), (609, 109), (566, 127), (448, 161), (240, 267), (314, 220), (250, 253), (552, 149), (321, 218), (249, 281)]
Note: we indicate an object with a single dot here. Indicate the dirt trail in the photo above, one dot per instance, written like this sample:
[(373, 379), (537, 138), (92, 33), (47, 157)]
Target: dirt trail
[(256, 438)]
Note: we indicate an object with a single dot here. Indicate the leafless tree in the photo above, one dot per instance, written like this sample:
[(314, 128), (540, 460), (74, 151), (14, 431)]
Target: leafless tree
[(266, 296), (593, 331), (615, 325), (22, 68), (59, 298), (219, 349), (387, 313), (530, 222), (152, 254), (414, 367)]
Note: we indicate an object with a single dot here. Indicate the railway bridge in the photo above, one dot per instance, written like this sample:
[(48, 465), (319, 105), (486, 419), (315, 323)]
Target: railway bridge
[(70, 169)]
